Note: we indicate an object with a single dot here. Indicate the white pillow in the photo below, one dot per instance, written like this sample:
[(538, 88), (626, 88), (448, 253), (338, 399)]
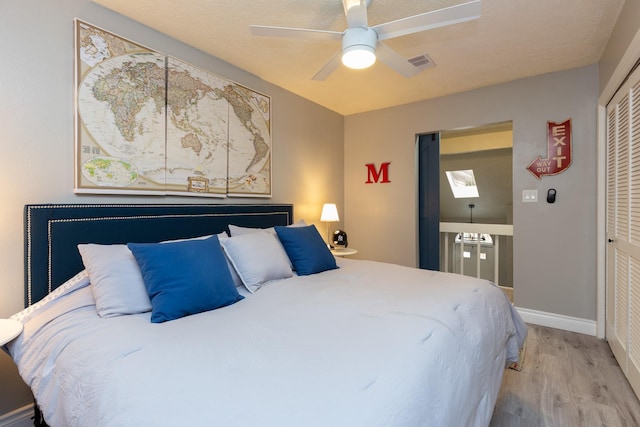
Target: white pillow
[(258, 258), (234, 274), (236, 230), (239, 231), (116, 280)]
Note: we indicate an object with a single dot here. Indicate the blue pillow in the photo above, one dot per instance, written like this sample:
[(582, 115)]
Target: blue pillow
[(184, 277), (306, 249)]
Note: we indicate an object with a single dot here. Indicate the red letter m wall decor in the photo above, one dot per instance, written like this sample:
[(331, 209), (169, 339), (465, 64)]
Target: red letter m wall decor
[(374, 175)]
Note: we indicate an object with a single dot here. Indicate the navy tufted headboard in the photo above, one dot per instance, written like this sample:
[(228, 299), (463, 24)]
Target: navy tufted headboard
[(53, 231)]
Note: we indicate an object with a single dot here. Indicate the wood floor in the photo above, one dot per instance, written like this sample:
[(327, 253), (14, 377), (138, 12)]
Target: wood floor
[(568, 379)]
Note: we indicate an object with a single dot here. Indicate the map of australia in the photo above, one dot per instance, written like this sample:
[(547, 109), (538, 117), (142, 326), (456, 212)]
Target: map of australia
[(148, 123)]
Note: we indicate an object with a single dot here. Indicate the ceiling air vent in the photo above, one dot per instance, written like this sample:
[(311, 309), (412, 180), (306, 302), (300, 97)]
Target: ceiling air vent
[(422, 62)]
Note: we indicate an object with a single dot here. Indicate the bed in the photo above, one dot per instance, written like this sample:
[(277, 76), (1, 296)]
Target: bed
[(303, 339)]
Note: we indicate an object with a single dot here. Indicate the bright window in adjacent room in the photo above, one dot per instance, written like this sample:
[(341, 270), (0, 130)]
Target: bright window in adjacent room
[(462, 183)]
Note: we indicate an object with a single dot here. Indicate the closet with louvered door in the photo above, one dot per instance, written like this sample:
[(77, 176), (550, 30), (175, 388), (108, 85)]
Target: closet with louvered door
[(623, 228)]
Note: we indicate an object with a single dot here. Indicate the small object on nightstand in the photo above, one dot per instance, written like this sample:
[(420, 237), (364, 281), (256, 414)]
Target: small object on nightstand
[(339, 239), (343, 252), (9, 330)]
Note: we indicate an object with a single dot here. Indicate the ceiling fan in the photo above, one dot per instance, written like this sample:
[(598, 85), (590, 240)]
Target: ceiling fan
[(362, 45)]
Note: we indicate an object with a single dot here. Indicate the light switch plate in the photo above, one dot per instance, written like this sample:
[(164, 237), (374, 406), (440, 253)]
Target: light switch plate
[(529, 195)]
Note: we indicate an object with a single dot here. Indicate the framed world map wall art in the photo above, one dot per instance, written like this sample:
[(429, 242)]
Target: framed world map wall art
[(148, 123)]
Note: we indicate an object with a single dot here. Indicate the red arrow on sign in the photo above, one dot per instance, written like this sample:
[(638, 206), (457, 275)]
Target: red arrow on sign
[(558, 151)]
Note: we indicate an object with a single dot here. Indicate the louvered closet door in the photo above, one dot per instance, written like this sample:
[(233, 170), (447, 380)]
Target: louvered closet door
[(623, 228)]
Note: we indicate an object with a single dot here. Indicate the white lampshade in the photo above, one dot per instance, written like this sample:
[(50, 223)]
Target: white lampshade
[(329, 213)]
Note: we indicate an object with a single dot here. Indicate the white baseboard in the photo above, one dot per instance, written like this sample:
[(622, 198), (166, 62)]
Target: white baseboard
[(558, 321), (20, 417)]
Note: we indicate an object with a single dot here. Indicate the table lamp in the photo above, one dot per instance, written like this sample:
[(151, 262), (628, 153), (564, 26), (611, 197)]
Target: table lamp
[(329, 214)]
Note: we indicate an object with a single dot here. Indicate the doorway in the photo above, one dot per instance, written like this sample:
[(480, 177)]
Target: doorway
[(480, 157)]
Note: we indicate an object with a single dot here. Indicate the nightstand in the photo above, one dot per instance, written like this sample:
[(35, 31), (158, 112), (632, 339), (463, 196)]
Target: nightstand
[(9, 329), (343, 252)]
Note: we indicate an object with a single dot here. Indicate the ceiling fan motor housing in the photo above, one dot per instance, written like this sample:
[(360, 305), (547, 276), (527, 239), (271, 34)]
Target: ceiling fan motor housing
[(359, 47)]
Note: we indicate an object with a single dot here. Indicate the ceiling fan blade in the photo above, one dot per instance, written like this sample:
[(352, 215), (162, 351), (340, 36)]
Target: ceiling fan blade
[(356, 12), (426, 21), (299, 33), (329, 67), (395, 61)]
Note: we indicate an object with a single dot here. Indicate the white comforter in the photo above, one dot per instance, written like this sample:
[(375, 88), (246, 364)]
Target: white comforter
[(369, 344)]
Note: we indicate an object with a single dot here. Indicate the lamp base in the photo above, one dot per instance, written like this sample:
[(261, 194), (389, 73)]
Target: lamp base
[(329, 245)]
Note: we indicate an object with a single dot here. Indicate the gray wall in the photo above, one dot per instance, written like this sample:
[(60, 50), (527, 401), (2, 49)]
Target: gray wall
[(554, 245), (37, 134)]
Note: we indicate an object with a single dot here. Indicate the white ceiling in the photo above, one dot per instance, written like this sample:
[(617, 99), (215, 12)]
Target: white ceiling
[(512, 39)]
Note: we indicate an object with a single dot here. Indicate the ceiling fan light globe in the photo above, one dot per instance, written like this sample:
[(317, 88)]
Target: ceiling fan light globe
[(358, 57)]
